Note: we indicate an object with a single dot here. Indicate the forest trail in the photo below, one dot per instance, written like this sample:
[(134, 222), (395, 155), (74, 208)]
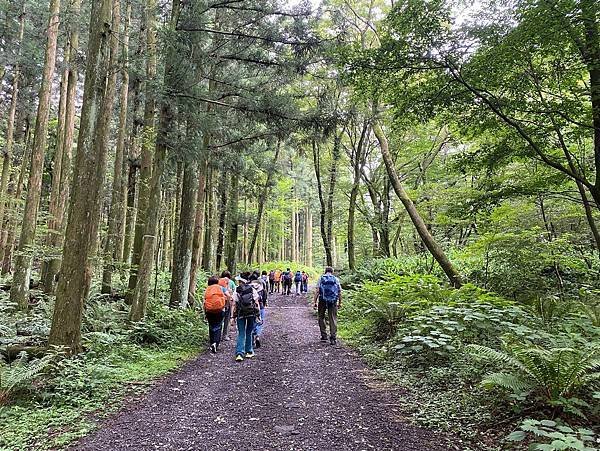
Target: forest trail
[(296, 394)]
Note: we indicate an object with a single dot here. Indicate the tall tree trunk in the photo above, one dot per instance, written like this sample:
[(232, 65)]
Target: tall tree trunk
[(222, 203), (323, 212), (14, 208), (54, 224), (420, 226), (198, 228), (88, 178), (309, 237), (114, 250), (165, 125), (232, 214), (354, 192), (261, 203), (182, 260), (19, 292), (147, 139), (69, 133), (210, 203), (10, 126)]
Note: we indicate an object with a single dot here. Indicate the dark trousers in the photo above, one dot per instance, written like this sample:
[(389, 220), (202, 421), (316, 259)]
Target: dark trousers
[(271, 286), (331, 310), (287, 287), (227, 320), (305, 286), (215, 325)]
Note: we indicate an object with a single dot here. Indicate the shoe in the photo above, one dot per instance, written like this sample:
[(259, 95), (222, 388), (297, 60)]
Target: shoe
[(323, 338), (257, 342), (249, 355), (239, 358), (333, 341), (213, 348), (227, 338)]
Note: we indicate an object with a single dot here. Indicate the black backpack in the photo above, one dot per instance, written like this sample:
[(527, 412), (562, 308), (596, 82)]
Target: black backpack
[(245, 302), (287, 276)]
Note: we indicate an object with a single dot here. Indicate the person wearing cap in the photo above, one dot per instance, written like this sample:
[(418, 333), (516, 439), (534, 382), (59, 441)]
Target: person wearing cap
[(246, 308)]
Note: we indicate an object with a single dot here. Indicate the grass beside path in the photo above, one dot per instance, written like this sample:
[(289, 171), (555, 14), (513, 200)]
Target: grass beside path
[(89, 389)]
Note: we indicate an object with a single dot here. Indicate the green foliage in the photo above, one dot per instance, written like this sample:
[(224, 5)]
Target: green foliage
[(549, 435), (550, 374), (21, 374)]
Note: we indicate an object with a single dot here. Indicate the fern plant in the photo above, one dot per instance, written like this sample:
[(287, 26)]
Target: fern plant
[(21, 374), (553, 374)]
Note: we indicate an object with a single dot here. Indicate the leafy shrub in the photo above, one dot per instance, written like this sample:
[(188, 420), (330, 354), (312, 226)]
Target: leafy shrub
[(21, 373), (551, 374), (554, 436)]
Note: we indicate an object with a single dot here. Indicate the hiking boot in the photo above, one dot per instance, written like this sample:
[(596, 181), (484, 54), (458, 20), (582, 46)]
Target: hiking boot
[(257, 342), (239, 358), (249, 355), (227, 338), (213, 348), (333, 341), (323, 338)]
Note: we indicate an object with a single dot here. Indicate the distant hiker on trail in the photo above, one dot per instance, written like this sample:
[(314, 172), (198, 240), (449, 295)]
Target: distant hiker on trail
[(265, 280), (225, 281), (298, 281), (277, 279), (246, 310), (271, 281), (329, 297), (259, 325), (216, 298), (304, 282), (287, 281)]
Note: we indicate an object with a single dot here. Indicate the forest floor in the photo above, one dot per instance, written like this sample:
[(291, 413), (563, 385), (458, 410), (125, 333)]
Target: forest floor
[(296, 394)]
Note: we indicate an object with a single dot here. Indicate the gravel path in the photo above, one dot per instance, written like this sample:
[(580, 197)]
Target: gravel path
[(296, 394)]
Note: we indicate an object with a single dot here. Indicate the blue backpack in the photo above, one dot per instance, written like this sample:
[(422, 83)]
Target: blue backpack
[(328, 289), (298, 277)]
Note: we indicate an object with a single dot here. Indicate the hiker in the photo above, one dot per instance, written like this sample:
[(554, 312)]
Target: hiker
[(329, 297), (304, 282), (259, 325), (265, 280), (287, 282), (271, 281), (246, 309), (277, 280), (298, 281), (225, 281), (216, 298)]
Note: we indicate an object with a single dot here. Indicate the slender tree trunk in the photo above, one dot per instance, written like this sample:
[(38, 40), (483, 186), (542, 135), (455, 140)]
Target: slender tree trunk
[(147, 140), (420, 226), (223, 199), (198, 229), (54, 222), (14, 208), (232, 235), (182, 260), (19, 292), (10, 126), (354, 192), (309, 237), (207, 247), (323, 212), (88, 178), (114, 250), (165, 125)]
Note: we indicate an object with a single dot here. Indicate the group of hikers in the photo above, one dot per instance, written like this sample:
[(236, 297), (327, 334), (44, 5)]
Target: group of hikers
[(243, 301), (282, 281)]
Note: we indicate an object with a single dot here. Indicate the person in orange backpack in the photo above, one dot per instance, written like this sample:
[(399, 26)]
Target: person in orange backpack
[(277, 280), (216, 298)]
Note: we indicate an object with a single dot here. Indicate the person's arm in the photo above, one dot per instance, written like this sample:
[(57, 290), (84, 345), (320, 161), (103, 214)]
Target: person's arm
[(340, 294), (316, 296)]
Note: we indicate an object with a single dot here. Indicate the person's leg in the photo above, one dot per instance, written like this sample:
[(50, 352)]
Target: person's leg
[(226, 322), (209, 320), (332, 314), (249, 328), (322, 324), (297, 288), (218, 327), (241, 339)]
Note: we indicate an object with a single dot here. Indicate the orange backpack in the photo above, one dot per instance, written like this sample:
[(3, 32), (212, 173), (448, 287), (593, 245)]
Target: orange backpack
[(224, 282), (214, 299)]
